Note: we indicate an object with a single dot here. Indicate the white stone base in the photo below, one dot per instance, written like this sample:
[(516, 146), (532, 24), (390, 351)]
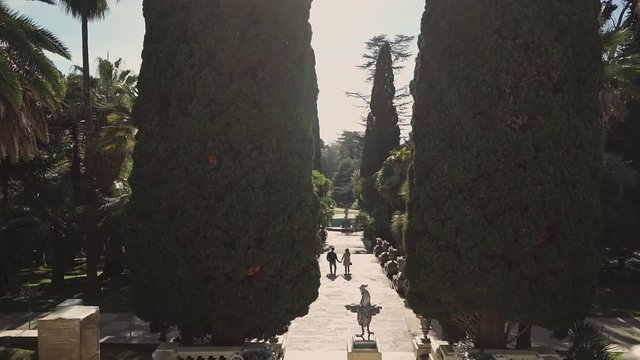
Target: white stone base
[(363, 349), (443, 352)]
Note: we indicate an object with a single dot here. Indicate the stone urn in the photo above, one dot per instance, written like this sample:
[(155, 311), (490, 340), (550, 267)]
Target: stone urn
[(391, 268), (383, 258)]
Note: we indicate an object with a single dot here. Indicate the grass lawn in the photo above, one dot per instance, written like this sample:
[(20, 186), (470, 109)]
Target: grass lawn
[(105, 354), (338, 213), (17, 354), (113, 296), (619, 294)]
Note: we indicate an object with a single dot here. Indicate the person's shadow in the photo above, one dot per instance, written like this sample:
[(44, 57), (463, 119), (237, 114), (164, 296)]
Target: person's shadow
[(332, 277), (346, 276)]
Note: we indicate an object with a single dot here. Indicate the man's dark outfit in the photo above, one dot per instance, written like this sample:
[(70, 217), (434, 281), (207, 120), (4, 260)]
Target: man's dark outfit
[(332, 258)]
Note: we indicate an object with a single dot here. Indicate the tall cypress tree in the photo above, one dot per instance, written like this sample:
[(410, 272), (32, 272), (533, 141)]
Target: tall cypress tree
[(504, 198), (381, 136), (317, 144), (222, 218), (382, 133)]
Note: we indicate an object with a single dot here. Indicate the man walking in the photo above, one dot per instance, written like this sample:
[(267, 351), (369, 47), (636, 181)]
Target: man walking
[(332, 258)]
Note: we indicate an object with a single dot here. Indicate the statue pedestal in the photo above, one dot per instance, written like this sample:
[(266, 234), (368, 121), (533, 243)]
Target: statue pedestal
[(358, 349), (420, 348), (72, 333)]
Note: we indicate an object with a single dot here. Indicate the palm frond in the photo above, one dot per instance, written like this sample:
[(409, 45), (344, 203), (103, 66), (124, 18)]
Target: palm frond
[(92, 9), (39, 36), (10, 87), (613, 38), (30, 84), (50, 2), (18, 29), (586, 342)]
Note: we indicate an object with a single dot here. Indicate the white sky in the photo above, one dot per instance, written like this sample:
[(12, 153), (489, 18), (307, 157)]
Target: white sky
[(340, 28)]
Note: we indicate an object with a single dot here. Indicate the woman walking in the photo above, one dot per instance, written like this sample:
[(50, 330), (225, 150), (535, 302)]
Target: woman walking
[(346, 261)]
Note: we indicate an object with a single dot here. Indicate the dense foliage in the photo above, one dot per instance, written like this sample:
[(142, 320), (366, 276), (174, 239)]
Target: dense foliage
[(621, 118), (322, 187), (222, 214), (504, 186), (392, 188), (41, 215), (341, 163)]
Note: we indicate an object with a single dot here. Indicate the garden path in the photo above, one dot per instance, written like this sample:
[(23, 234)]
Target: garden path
[(323, 333)]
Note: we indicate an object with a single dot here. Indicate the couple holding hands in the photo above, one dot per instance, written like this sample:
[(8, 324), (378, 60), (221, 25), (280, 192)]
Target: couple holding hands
[(332, 257)]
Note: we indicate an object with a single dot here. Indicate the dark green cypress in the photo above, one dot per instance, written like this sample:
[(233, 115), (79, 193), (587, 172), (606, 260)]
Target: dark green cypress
[(504, 185), (318, 143), (381, 136), (383, 133), (222, 218)]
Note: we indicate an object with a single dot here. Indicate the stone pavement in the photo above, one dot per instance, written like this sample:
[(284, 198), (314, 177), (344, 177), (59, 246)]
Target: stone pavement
[(323, 333)]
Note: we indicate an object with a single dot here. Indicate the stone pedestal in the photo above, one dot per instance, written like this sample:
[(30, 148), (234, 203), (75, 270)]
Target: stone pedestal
[(358, 349), (72, 333), (443, 352), (420, 348)]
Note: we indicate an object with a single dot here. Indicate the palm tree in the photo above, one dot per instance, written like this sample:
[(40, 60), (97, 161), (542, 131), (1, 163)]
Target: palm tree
[(586, 342), (87, 10), (30, 85), (73, 110), (115, 95)]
